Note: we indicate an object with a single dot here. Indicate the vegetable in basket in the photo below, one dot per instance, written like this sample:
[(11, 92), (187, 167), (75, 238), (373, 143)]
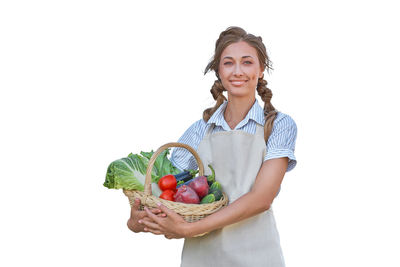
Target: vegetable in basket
[(167, 182), (185, 175), (207, 189), (211, 178), (207, 199), (200, 186), (185, 194), (168, 195), (217, 194), (130, 172)]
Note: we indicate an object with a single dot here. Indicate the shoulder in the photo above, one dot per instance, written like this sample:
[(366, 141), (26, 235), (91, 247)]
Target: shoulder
[(193, 135), (182, 158), (197, 127), (284, 122), (284, 133), (199, 124), (282, 140)]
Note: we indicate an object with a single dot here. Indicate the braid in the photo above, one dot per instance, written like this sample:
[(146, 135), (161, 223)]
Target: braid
[(269, 111), (217, 92)]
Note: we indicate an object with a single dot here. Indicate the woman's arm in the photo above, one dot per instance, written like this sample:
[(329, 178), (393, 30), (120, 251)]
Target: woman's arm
[(259, 199)]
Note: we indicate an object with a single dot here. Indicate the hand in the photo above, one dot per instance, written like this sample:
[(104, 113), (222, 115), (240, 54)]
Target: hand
[(137, 214), (171, 226)]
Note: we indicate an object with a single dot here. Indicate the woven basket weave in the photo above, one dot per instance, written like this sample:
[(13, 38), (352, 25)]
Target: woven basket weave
[(190, 212)]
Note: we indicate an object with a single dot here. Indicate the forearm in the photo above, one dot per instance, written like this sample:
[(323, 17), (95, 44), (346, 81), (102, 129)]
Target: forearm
[(259, 199), (244, 207)]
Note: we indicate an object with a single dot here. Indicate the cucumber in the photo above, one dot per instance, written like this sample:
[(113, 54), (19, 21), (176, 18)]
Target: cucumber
[(207, 199), (217, 194), (215, 186)]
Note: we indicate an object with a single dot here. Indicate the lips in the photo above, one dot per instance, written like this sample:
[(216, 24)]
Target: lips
[(238, 82)]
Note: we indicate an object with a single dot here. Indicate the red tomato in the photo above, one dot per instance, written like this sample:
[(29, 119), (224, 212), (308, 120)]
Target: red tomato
[(168, 195), (167, 182)]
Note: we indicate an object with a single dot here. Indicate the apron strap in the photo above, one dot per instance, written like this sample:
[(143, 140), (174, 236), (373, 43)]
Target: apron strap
[(260, 133), (209, 130), (260, 130)]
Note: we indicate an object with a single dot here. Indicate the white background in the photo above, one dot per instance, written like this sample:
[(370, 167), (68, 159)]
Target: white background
[(86, 82)]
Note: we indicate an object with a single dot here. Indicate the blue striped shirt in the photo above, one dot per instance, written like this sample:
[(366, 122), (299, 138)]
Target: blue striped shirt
[(281, 142)]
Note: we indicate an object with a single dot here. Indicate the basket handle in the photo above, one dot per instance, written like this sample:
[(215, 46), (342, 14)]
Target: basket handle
[(147, 182)]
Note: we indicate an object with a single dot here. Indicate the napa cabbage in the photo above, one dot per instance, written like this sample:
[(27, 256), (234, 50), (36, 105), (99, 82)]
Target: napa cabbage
[(130, 172)]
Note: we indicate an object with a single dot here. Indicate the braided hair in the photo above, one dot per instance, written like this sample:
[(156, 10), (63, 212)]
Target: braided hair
[(233, 35)]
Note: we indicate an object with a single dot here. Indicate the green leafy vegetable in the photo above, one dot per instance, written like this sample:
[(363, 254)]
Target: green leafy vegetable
[(130, 172), (162, 165)]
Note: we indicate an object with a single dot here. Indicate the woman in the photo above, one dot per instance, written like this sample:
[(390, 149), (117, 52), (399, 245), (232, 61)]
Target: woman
[(250, 149)]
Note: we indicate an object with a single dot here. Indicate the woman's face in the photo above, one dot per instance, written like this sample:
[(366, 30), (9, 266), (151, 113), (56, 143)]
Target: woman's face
[(239, 69)]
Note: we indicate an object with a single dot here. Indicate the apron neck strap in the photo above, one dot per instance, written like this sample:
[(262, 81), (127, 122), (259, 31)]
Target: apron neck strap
[(210, 129), (260, 130)]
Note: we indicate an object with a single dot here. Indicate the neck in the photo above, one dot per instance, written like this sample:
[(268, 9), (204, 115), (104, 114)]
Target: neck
[(237, 109)]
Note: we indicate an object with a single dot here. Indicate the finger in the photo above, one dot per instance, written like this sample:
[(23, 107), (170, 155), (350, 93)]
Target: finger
[(150, 224), (155, 211), (136, 203), (151, 215), (156, 232), (147, 219), (167, 211), (135, 206), (143, 214)]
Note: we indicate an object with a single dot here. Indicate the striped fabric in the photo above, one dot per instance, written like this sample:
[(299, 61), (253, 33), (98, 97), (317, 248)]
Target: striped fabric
[(281, 142)]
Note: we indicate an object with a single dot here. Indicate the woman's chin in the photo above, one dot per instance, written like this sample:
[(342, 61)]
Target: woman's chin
[(240, 92)]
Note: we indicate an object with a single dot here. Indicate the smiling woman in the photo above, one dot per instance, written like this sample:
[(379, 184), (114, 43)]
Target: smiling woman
[(239, 70), (240, 59), (250, 149)]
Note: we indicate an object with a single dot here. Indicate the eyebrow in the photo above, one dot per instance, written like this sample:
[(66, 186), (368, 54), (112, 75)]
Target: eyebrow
[(232, 57)]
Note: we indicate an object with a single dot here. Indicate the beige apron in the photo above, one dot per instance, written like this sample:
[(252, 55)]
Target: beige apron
[(237, 157)]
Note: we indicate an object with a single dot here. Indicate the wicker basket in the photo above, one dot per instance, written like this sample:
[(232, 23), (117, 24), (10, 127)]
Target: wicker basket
[(190, 212)]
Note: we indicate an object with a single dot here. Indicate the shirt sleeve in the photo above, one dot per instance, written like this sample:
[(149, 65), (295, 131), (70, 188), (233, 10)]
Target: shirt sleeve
[(181, 157), (282, 140)]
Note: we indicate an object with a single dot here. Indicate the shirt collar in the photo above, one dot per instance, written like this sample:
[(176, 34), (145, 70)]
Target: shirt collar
[(256, 113)]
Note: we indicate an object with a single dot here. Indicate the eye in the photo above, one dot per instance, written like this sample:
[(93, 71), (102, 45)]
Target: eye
[(227, 63), (248, 62)]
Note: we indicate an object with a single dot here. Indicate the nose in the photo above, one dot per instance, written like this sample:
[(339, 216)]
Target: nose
[(237, 71)]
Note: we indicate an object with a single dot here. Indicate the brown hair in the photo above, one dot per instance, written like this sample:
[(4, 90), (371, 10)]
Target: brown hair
[(233, 35)]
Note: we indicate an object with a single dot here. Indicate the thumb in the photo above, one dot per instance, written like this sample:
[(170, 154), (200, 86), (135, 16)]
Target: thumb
[(136, 205)]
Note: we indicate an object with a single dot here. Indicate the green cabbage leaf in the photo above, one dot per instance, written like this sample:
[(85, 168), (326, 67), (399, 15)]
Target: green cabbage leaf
[(130, 172)]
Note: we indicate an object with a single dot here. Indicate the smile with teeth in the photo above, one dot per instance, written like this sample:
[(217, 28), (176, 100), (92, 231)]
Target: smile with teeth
[(238, 82)]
